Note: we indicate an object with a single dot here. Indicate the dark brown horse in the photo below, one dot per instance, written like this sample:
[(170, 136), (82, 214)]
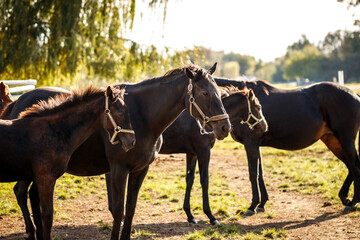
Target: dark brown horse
[(183, 136), (38, 146), (5, 97), (153, 105), (298, 118)]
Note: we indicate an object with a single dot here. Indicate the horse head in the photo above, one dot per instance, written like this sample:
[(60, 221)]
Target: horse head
[(253, 116), (117, 120), (204, 101)]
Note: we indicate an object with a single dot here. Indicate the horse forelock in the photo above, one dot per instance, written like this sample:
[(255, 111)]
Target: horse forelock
[(63, 101), (181, 70)]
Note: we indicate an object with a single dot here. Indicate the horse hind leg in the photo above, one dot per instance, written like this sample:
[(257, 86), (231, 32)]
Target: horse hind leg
[(347, 154), (21, 190), (353, 164)]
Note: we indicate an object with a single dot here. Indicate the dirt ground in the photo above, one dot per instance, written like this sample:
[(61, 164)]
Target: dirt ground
[(303, 216)]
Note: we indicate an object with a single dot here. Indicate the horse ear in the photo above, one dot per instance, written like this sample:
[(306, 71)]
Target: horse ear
[(212, 69), (189, 73), (251, 94), (109, 93)]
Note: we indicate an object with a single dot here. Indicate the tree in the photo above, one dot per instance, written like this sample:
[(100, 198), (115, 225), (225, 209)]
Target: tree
[(247, 63), (303, 63), (231, 69), (47, 39)]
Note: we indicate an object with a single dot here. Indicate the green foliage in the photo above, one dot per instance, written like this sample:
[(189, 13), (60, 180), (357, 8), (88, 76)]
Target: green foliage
[(302, 63), (54, 41), (231, 69)]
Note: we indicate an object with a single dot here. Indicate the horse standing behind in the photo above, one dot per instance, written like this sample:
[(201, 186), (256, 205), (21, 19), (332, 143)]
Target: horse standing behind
[(297, 119), (37, 146), (183, 136)]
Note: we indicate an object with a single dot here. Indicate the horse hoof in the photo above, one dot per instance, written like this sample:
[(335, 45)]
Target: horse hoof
[(260, 209), (249, 213), (347, 209), (192, 221), (215, 223)]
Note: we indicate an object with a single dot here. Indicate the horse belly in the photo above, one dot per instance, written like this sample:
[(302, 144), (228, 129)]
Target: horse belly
[(297, 138)]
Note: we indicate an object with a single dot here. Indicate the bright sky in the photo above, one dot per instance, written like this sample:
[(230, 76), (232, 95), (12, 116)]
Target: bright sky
[(259, 28)]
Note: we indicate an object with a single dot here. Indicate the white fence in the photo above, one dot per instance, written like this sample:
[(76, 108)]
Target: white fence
[(28, 85)]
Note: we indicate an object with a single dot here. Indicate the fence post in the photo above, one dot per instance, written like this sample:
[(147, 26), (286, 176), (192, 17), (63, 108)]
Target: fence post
[(341, 77)]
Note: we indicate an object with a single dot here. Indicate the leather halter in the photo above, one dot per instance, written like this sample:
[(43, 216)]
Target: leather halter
[(251, 115), (117, 128), (205, 119)]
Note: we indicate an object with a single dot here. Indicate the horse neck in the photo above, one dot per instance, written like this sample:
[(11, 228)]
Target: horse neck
[(232, 107), (77, 123), (156, 105)]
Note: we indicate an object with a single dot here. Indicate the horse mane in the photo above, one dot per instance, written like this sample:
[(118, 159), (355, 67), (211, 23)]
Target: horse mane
[(63, 101), (227, 91), (191, 66), (170, 74), (265, 85)]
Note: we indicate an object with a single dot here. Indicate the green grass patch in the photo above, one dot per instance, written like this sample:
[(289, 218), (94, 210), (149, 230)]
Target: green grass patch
[(234, 231)]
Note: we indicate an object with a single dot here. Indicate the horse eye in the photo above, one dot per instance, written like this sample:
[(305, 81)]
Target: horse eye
[(205, 94)]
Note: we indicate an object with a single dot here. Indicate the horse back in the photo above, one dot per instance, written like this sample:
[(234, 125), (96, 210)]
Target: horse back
[(28, 99)]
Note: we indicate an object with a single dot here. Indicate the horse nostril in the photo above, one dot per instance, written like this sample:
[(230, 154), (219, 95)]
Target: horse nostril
[(225, 128)]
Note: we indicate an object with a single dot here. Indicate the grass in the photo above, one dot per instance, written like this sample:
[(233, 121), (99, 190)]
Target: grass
[(67, 187), (313, 169), (234, 232)]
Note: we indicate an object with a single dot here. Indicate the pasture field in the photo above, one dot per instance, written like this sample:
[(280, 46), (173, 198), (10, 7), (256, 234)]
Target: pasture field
[(302, 187)]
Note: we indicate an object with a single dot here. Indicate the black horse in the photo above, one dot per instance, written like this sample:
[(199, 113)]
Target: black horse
[(298, 118), (38, 146), (183, 136), (153, 105)]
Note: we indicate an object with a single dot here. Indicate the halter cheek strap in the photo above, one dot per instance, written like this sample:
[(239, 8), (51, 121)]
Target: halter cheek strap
[(205, 119), (117, 128), (251, 115)]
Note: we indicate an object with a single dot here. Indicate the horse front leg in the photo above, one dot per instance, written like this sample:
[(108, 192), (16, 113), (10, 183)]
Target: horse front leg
[(21, 190), (190, 175), (204, 159), (134, 183), (253, 153), (109, 192), (46, 194), (263, 191), (116, 183)]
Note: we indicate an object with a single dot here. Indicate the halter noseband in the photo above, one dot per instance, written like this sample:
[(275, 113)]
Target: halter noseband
[(251, 115), (117, 128), (205, 119)]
